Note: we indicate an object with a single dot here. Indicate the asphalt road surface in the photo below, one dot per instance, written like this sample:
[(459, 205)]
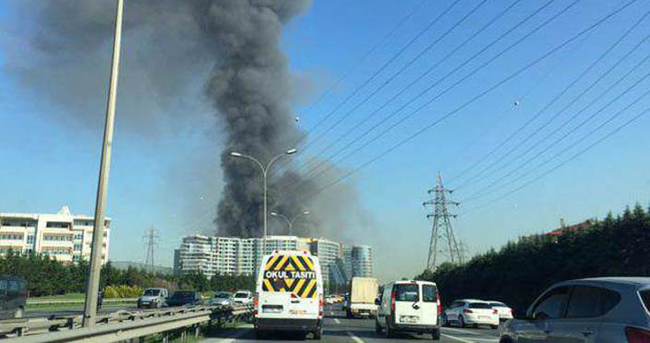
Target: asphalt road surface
[(337, 328)]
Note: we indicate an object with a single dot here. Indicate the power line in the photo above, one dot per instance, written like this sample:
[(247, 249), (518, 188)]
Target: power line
[(551, 103), (391, 79), (381, 69), (564, 162), (368, 53), (478, 96), (471, 73), (567, 134), (420, 77)]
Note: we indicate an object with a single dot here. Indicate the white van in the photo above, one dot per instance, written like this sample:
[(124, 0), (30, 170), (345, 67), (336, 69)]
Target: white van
[(409, 306), (289, 294)]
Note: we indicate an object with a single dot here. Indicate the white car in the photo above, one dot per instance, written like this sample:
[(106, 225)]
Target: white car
[(505, 312), (471, 312), (608, 309), (153, 298), (243, 297), (409, 306)]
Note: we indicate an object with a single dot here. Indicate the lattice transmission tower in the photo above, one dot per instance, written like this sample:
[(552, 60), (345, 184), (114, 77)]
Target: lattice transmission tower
[(443, 240), (151, 241)]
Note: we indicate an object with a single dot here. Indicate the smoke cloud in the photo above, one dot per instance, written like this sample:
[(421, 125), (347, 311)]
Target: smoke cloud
[(184, 61)]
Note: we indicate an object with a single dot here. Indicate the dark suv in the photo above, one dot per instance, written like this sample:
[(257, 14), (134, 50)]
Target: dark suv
[(182, 298), (13, 296)]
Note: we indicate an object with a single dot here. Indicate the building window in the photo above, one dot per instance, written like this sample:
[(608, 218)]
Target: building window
[(77, 247), (30, 239), (58, 225)]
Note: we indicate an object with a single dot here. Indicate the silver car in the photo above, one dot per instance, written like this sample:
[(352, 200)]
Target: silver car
[(608, 309), (221, 298)]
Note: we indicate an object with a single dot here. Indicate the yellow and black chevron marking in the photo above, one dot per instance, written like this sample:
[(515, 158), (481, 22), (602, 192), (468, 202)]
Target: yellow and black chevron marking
[(290, 263), (294, 274)]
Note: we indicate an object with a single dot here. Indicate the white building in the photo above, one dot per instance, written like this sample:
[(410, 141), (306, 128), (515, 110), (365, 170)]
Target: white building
[(327, 252), (236, 256), (361, 260), (64, 236)]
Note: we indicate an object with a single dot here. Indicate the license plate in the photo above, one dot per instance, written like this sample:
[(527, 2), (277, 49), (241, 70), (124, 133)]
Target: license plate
[(297, 312), (408, 319), (271, 310), (484, 317)]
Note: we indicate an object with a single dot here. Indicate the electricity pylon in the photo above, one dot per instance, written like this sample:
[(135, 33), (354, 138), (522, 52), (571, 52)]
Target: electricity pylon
[(442, 231)]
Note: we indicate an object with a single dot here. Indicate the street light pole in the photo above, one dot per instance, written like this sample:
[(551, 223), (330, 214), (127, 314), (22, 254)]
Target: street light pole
[(292, 220), (265, 171), (92, 287)]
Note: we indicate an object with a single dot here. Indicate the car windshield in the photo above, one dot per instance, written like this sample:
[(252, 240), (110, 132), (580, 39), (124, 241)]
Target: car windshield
[(152, 292), (479, 305), (241, 295), (497, 304), (222, 295)]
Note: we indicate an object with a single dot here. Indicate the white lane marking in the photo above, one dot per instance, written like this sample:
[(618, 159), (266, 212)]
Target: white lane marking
[(355, 338), (337, 321), (474, 340), (456, 338), (463, 331)]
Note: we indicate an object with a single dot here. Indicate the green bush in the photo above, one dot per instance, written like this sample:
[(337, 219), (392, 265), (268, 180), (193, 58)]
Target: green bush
[(122, 291)]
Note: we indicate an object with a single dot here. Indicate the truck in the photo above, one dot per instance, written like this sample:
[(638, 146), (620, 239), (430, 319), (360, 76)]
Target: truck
[(362, 295)]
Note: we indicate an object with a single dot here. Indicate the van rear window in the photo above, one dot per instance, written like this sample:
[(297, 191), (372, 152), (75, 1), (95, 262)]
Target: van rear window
[(291, 273), (429, 293), (406, 292), (645, 297)]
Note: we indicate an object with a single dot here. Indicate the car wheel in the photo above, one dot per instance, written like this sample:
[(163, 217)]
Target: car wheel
[(436, 335), (444, 320), (378, 329), (318, 333), (494, 326), (19, 312), (461, 322)]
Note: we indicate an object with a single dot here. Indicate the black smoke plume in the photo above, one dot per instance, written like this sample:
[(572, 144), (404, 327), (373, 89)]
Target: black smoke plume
[(227, 49)]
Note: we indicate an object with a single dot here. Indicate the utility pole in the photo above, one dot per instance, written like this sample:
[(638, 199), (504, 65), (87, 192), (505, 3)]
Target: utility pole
[(151, 241), (442, 232), (96, 256)]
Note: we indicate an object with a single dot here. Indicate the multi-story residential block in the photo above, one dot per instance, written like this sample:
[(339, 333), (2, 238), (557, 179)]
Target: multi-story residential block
[(361, 261), (64, 236)]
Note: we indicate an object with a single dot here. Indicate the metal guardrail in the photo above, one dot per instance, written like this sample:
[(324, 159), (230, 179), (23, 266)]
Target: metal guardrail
[(121, 325), (38, 302)]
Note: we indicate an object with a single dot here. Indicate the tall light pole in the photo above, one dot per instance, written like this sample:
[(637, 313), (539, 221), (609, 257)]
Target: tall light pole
[(92, 287), (265, 173), (292, 220)]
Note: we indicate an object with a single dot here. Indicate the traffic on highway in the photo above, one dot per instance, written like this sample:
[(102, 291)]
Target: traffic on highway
[(338, 171)]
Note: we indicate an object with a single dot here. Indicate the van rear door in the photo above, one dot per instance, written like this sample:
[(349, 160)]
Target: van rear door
[(289, 287), (429, 305), (414, 306), (407, 300)]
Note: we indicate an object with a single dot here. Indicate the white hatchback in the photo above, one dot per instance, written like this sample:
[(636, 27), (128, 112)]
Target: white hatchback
[(466, 312), (505, 312)]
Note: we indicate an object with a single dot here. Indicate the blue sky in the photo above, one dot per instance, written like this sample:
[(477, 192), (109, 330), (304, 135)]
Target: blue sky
[(170, 179)]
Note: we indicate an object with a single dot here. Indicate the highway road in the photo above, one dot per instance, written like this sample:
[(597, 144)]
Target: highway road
[(340, 329)]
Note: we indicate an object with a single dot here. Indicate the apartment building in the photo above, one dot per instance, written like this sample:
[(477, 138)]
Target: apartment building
[(236, 256), (62, 235)]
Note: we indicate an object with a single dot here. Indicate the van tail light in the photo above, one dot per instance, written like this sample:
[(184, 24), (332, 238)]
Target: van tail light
[(439, 305), (321, 307), (636, 335), (392, 301), (467, 311), (495, 311), (256, 303)]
